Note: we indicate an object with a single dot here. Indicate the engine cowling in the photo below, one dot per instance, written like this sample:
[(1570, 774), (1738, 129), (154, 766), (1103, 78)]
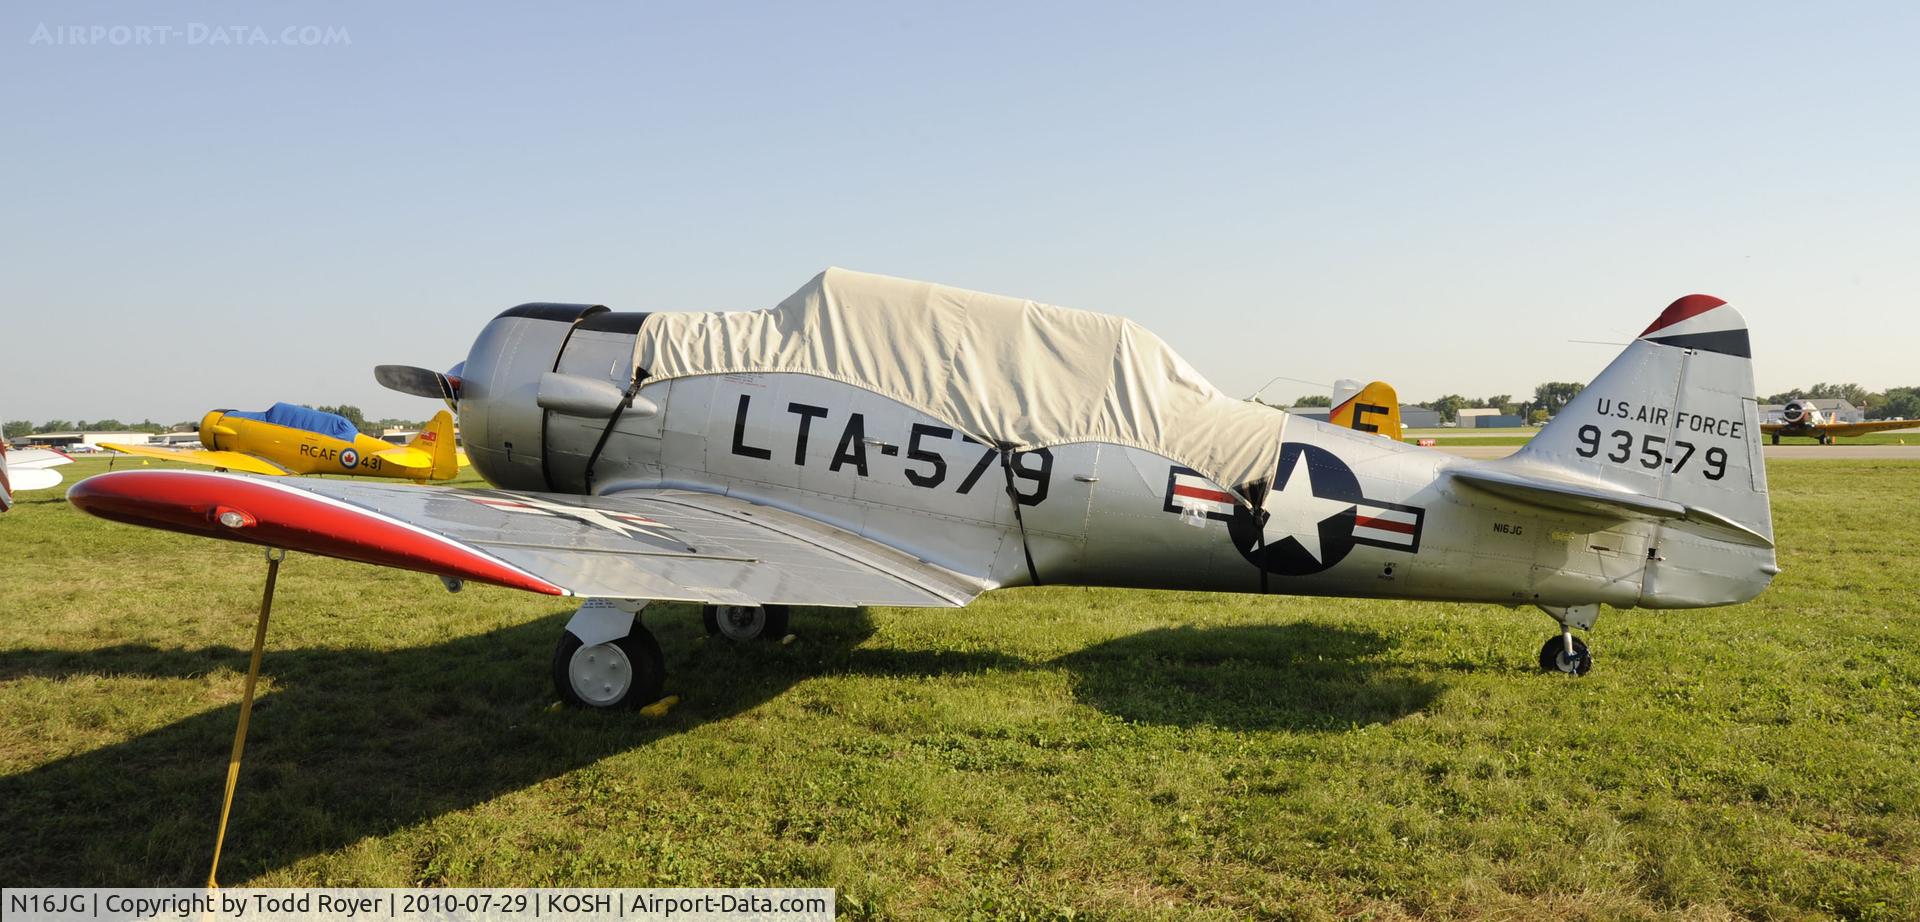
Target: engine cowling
[(1800, 413), (534, 392)]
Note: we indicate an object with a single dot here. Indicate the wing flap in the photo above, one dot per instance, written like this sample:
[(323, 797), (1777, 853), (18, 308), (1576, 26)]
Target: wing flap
[(651, 544)]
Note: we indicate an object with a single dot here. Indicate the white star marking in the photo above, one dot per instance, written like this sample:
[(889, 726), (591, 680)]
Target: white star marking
[(1295, 512), (624, 523)]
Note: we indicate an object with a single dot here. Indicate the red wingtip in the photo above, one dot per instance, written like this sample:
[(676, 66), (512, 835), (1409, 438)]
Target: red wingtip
[(1689, 306), (200, 503)]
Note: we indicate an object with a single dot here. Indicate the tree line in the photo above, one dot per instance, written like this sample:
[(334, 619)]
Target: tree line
[(16, 428), (1548, 399), (1551, 396)]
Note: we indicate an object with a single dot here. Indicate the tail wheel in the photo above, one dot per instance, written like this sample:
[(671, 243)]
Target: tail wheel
[(1554, 657), (743, 623), (624, 673)]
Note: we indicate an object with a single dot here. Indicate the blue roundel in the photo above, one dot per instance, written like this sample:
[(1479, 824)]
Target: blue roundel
[(349, 458), (1306, 520)]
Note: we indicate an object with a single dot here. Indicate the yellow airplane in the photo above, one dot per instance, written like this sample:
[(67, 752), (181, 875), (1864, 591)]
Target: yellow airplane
[(291, 439), (1800, 418), (1374, 408)]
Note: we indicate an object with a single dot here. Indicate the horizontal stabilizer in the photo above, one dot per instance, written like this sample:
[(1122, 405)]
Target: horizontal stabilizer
[(32, 458), (412, 459), (1599, 499)]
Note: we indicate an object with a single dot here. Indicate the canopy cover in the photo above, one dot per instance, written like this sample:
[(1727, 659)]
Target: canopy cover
[(1005, 371), (295, 416)]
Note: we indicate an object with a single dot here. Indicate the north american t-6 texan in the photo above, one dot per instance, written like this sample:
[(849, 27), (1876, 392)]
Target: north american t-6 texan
[(877, 441)]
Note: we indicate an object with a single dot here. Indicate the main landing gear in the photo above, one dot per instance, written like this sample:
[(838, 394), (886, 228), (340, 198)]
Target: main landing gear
[(1565, 653), (743, 623), (607, 659)]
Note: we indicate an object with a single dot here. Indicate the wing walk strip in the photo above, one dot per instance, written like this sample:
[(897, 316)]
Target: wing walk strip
[(389, 519)]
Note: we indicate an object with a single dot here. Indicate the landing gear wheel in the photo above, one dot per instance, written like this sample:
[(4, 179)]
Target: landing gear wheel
[(1554, 658), (624, 673), (743, 623), (1776, 438)]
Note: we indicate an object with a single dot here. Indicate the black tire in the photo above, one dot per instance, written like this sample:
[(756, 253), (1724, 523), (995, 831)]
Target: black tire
[(745, 623), (1776, 438), (1553, 657), (642, 660)]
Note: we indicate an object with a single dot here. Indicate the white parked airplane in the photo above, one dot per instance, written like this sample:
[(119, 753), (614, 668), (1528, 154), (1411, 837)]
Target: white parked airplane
[(876, 441), (28, 469)]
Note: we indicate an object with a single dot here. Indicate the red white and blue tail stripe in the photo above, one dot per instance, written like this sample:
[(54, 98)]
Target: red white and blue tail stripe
[(1701, 322)]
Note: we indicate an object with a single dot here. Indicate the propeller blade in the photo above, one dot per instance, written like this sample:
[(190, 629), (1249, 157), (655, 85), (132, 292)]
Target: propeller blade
[(420, 382)]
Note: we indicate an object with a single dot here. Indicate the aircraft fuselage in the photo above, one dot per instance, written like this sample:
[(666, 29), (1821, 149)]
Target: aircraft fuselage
[(1349, 513)]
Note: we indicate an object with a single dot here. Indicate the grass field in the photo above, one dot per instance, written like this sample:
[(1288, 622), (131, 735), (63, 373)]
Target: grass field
[(1044, 753)]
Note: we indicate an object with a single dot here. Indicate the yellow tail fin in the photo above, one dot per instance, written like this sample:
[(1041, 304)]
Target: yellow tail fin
[(437, 440), (1376, 408)]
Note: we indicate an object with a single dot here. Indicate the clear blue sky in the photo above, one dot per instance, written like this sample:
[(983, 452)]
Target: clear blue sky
[(1440, 195)]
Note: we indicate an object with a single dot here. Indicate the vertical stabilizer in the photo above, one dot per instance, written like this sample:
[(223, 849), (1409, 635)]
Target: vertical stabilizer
[(1374, 408), (437, 440), (1673, 418)]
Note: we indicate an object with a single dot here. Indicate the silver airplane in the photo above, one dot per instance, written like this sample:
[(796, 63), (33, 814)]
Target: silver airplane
[(875, 441)]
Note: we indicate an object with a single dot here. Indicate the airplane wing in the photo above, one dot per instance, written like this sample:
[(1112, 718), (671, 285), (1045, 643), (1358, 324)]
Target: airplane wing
[(1846, 429), (35, 459), (637, 544), (32, 469), (231, 460), (1597, 499), (1878, 425)]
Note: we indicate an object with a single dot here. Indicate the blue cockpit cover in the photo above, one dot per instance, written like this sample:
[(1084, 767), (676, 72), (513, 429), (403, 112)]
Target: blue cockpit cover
[(295, 416)]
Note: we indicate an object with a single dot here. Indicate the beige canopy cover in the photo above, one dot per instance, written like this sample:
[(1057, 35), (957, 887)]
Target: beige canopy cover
[(1005, 371)]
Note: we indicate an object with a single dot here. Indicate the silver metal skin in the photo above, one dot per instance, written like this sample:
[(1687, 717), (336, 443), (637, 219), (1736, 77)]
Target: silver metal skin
[(1346, 514)]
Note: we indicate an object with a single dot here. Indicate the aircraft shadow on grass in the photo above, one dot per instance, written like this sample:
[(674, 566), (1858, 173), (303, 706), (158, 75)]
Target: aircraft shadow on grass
[(1296, 677), (351, 743)]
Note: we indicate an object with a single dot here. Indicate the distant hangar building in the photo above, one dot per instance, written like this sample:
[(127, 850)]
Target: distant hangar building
[(1412, 417), (1487, 418), (69, 439)]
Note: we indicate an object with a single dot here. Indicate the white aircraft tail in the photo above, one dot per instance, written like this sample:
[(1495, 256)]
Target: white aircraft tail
[(1673, 419)]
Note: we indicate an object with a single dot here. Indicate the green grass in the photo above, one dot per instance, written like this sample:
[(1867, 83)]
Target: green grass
[(1044, 752)]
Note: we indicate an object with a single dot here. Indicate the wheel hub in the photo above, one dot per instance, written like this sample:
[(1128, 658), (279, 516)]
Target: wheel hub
[(600, 674), (741, 622)]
